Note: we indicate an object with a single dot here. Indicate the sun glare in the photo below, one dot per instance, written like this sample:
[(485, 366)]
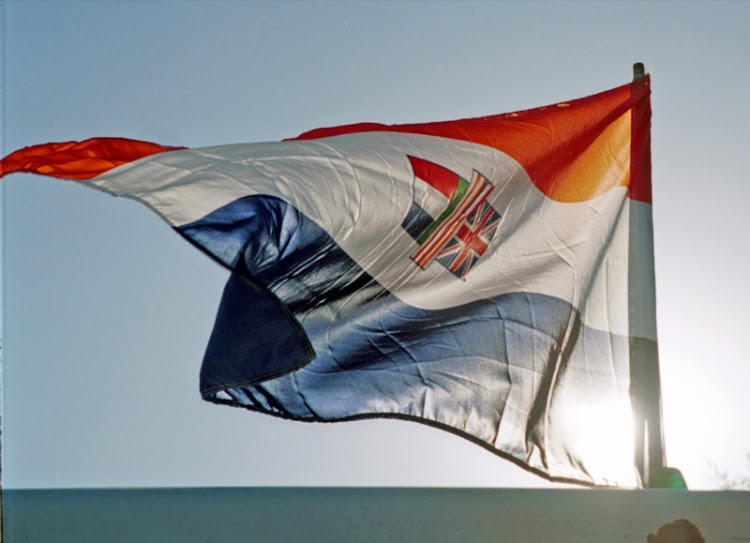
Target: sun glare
[(601, 433)]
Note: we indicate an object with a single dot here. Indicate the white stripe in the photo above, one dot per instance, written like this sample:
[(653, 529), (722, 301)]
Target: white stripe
[(359, 188), (642, 289)]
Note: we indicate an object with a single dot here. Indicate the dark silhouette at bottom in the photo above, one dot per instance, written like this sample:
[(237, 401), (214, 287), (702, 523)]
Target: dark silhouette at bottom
[(679, 531)]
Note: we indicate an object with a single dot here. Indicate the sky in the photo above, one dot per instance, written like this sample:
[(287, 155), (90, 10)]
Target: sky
[(106, 312)]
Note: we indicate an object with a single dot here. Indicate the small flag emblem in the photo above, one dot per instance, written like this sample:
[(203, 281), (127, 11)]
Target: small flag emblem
[(459, 236)]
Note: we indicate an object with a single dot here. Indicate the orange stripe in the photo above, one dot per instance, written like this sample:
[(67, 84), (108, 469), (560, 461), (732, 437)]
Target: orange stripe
[(640, 153), (79, 160), (572, 151), (438, 177)]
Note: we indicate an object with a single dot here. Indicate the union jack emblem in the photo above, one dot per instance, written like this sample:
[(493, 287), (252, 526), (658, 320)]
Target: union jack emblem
[(470, 241), (460, 235)]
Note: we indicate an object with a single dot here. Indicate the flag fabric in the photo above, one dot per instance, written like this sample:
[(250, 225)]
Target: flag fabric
[(476, 275)]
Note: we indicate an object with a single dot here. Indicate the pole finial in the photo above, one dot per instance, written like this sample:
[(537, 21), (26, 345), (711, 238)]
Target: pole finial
[(639, 70)]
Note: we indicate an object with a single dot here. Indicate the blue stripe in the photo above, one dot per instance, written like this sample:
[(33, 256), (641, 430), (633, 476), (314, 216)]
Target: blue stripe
[(472, 368), (416, 221)]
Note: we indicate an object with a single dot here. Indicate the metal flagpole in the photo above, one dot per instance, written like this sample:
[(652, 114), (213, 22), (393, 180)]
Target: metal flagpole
[(3, 94), (645, 387)]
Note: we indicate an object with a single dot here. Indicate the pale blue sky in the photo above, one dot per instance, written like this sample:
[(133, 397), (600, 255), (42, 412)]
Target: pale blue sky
[(106, 312)]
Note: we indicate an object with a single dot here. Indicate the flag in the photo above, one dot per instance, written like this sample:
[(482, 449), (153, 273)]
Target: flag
[(490, 276)]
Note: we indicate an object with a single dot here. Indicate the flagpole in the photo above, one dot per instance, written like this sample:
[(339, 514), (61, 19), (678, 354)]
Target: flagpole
[(3, 64), (645, 388)]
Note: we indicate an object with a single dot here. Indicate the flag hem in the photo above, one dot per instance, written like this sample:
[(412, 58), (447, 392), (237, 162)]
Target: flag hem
[(410, 418)]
